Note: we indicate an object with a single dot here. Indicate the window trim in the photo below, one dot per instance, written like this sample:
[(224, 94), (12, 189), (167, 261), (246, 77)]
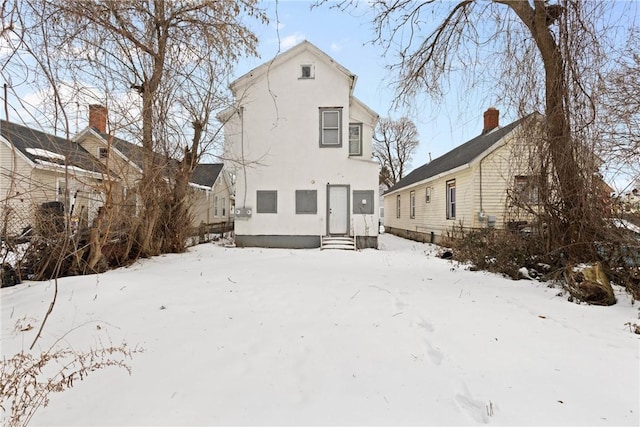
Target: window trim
[(359, 126), (412, 204), (398, 206), (311, 72), (324, 110), (451, 201), (260, 209)]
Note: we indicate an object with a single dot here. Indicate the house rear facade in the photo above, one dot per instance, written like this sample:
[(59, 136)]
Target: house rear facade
[(299, 143)]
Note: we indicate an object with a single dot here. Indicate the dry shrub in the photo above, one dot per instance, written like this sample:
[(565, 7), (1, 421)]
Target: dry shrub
[(27, 380), (498, 251)]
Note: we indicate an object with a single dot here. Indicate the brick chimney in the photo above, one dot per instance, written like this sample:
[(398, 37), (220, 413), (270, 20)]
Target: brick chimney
[(490, 119), (98, 117)]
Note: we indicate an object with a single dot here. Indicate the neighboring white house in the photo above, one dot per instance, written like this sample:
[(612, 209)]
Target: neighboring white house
[(300, 144), (210, 191), (42, 171), (212, 196), (471, 186)]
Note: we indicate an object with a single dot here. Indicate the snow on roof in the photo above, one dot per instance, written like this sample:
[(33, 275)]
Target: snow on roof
[(41, 152)]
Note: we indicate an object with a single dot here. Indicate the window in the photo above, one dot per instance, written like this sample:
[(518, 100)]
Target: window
[(355, 139), (224, 208), (266, 202), (398, 206), (412, 204), (306, 201), (525, 190), (331, 127), (103, 152), (451, 199), (363, 202), (62, 188), (306, 71), (427, 196), (215, 205)]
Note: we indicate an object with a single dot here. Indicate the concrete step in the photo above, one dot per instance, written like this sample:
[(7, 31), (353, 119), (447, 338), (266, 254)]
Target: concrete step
[(338, 242)]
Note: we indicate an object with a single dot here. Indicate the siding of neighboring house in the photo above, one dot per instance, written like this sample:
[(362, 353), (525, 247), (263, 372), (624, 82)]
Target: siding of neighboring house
[(15, 195), (482, 194), (275, 146)]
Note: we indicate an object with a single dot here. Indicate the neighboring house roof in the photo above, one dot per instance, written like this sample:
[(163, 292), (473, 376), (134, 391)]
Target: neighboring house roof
[(285, 56), (459, 156), (205, 174), (48, 150)]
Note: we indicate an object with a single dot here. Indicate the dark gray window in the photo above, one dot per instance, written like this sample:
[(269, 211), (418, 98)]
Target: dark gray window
[(306, 71), (306, 201), (266, 202), (355, 139), (331, 127), (363, 202)]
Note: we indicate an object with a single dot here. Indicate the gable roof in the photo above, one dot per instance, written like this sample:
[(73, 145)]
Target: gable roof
[(205, 174), (285, 56), (459, 156), (47, 150)]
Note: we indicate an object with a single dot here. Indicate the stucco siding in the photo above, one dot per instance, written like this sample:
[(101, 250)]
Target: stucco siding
[(273, 142)]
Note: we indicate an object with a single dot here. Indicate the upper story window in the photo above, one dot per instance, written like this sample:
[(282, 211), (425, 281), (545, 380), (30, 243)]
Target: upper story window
[(355, 139), (103, 152), (331, 127), (427, 197), (306, 71)]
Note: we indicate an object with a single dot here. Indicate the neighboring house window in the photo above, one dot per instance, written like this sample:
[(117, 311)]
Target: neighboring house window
[(363, 202), (266, 202), (412, 204), (427, 197), (398, 206), (355, 139), (62, 189), (103, 152), (526, 190), (451, 199), (224, 207), (306, 71), (306, 201), (215, 205), (331, 127)]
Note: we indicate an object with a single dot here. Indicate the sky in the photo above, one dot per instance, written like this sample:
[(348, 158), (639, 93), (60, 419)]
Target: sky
[(346, 37), (395, 336)]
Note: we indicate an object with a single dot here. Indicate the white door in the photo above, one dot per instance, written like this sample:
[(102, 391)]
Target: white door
[(338, 210)]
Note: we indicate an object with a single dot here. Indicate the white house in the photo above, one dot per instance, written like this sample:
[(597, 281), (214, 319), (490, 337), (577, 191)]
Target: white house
[(300, 146), (478, 184)]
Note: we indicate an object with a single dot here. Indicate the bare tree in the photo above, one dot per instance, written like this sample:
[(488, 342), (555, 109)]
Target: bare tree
[(176, 56), (539, 56), (395, 142)]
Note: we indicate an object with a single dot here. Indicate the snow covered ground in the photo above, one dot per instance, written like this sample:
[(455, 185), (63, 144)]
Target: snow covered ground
[(375, 337)]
